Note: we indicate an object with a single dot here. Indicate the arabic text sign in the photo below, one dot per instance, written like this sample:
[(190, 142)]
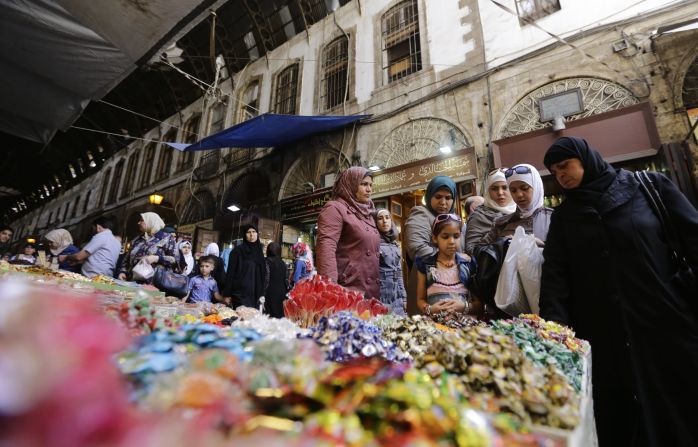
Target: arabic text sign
[(459, 166), (305, 205)]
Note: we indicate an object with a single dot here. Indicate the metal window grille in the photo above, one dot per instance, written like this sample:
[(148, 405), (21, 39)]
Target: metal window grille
[(87, 202), (286, 90), (250, 102), (209, 165), (530, 10), (147, 165), (335, 62), (402, 53), (217, 118), (165, 162)]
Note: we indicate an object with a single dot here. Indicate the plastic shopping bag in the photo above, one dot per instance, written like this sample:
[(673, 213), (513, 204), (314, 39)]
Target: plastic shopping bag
[(530, 268), (143, 271), (510, 296)]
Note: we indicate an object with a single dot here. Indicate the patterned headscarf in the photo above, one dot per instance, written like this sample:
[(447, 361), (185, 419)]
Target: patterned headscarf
[(533, 180), (153, 223), (61, 238), (346, 186), (299, 249), (497, 176)]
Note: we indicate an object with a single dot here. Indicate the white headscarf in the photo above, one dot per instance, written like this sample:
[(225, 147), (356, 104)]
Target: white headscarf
[(188, 258), (533, 180), (497, 176), (153, 223), (212, 250), (60, 237)]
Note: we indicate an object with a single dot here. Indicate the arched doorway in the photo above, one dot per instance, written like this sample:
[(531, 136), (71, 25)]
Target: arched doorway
[(200, 206), (598, 96), (416, 140)]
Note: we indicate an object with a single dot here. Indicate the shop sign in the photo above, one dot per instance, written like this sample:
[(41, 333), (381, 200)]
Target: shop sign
[(305, 205), (422, 171)]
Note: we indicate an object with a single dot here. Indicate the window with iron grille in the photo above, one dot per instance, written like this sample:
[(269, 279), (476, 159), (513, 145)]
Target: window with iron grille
[(147, 166), (217, 118), (87, 202), (402, 53), (190, 135), (76, 202), (116, 180), (105, 184), (249, 106), (209, 164), (530, 10), (286, 90), (165, 159), (130, 174), (335, 64)]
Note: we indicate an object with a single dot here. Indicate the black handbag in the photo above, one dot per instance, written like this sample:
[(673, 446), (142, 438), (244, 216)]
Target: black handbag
[(169, 282), (488, 259), (684, 277)]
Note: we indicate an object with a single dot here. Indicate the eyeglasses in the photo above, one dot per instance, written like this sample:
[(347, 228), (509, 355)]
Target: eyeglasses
[(446, 217), (496, 170), (517, 169)]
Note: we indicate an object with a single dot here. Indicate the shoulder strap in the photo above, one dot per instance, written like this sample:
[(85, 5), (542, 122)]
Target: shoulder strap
[(660, 210)]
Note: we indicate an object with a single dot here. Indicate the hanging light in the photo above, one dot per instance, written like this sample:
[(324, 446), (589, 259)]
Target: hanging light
[(155, 199)]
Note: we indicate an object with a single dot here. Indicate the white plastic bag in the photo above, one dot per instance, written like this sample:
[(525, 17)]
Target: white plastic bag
[(143, 271), (530, 268), (510, 296)]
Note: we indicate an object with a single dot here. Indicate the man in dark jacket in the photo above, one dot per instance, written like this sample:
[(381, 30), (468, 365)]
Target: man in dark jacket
[(5, 238), (608, 275)]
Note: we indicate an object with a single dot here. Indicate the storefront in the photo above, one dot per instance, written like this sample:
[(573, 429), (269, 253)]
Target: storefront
[(625, 137), (299, 219)]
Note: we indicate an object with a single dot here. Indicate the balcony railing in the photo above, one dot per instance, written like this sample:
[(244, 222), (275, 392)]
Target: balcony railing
[(238, 157), (208, 167)]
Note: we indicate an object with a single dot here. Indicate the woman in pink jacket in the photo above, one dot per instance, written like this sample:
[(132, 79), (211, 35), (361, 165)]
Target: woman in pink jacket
[(348, 243)]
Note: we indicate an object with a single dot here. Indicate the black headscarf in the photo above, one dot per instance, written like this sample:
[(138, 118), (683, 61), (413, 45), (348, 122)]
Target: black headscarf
[(437, 183), (251, 251), (598, 173), (274, 250)]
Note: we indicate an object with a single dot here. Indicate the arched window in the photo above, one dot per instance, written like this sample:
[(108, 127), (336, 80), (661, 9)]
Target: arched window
[(335, 63), (116, 180), (147, 165), (402, 51), (105, 184), (286, 91), (165, 159), (190, 136), (217, 118), (130, 174)]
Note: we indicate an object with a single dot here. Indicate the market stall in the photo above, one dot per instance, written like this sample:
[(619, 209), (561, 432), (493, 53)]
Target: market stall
[(337, 371)]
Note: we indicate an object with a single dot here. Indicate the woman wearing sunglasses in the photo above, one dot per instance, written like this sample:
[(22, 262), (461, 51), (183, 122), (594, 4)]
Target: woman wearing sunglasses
[(348, 244), (526, 189), (439, 199), (498, 203), (609, 274)]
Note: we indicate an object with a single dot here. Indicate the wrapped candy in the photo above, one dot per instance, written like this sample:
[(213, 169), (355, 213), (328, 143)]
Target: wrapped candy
[(344, 336)]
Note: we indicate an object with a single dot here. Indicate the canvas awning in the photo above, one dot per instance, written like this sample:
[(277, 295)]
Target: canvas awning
[(57, 55), (269, 130)]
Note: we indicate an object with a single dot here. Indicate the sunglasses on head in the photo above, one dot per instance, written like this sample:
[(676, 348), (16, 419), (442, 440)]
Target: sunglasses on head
[(517, 169), (503, 170), (446, 217)]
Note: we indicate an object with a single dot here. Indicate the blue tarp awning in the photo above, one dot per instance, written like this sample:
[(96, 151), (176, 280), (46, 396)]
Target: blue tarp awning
[(269, 130)]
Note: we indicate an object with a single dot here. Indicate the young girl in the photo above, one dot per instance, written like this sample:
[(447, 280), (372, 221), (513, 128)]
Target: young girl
[(303, 265), (443, 278), (392, 290)]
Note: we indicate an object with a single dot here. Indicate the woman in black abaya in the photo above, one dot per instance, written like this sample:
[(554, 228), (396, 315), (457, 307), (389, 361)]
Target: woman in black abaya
[(608, 274), (244, 280)]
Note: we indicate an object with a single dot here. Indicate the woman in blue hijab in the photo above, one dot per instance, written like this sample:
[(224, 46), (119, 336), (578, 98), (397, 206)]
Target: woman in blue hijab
[(440, 198)]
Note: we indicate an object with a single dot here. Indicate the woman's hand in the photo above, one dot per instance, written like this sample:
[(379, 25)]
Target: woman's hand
[(152, 259), (122, 276), (540, 243)]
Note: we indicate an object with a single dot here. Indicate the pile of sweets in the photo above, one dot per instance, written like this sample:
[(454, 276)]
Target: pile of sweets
[(548, 344), (498, 377), (317, 297)]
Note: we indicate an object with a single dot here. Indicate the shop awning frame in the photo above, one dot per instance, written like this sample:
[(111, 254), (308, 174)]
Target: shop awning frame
[(269, 130)]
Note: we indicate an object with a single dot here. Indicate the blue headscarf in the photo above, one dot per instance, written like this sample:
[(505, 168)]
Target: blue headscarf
[(438, 182)]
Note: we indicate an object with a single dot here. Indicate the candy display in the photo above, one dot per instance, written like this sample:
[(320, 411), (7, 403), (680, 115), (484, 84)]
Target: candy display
[(314, 298), (344, 336), (190, 374)]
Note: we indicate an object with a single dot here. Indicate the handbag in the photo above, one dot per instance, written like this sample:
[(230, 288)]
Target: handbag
[(684, 277), (169, 282), (489, 260)]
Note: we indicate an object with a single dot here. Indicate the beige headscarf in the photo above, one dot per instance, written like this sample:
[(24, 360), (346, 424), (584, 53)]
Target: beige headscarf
[(153, 223), (60, 237)]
